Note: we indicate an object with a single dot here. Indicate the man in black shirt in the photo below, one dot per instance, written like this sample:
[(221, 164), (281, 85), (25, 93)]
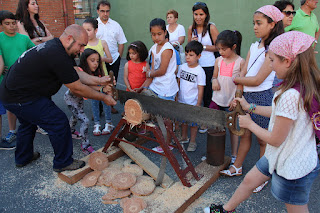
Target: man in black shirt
[(27, 89)]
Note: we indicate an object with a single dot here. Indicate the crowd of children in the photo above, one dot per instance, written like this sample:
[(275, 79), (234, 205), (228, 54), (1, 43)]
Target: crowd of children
[(204, 78)]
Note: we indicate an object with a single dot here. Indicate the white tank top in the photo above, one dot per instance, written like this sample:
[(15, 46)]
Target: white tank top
[(207, 58), (165, 85), (257, 57)]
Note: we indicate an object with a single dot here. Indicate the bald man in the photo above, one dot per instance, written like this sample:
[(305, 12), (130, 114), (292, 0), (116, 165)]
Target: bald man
[(27, 89)]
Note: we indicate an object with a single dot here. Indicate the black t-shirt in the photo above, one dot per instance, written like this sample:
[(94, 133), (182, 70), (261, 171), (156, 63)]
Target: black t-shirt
[(39, 72)]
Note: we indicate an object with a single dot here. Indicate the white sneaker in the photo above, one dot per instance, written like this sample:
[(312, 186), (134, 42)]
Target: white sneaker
[(42, 131), (203, 129), (96, 130), (107, 129)]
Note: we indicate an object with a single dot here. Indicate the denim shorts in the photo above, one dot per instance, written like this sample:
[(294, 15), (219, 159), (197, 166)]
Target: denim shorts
[(294, 192), (2, 109), (169, 98)]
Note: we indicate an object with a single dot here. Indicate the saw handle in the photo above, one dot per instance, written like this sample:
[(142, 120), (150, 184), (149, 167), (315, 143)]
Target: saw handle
[(233, 116), (114, 91)]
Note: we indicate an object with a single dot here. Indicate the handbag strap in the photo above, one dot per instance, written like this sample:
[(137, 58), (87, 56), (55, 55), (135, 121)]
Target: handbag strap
[(256, 59)]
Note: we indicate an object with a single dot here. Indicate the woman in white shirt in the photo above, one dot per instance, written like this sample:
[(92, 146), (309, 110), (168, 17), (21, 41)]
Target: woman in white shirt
[(206, 33), (176, 31)]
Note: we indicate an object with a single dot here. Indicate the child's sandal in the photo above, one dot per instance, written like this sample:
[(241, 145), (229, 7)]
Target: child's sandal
[(96, 130), (229, 174)]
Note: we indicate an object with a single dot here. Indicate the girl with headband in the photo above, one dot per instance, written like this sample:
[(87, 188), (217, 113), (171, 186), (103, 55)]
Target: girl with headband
[(257, 79), (290, 158)]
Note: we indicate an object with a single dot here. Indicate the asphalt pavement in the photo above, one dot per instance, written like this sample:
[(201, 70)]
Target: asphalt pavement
[(36, 188)]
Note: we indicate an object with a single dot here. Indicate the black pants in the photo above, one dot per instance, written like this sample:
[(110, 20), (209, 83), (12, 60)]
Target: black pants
[(44, 113), (207, 93), (114, 67)]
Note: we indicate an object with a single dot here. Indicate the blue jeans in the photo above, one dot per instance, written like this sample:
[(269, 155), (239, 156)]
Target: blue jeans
[(96, 112), (44, 113)]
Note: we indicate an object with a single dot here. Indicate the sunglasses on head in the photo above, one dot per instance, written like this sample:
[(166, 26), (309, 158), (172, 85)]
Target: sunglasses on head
[(200, 3), (288, 13)]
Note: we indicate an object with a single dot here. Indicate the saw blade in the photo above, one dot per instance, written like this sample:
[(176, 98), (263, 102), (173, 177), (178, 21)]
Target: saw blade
[(177, 111)]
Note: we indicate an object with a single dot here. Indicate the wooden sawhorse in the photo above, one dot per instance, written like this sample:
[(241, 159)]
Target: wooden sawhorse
[(123, 128)]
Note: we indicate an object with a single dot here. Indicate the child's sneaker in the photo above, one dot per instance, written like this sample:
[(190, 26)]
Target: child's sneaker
[(203, 130), (11, 137), (76, 135), (96, 130), (5, 145), (107, 129), (87, 150), (192, 147), (159, 149), (184, 140), (42, 131), (216, 209)]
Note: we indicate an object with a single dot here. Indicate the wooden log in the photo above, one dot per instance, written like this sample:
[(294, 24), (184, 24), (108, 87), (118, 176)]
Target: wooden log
[(134, 113), (74, 176), (113, 153), (145, 163), (178, 197)]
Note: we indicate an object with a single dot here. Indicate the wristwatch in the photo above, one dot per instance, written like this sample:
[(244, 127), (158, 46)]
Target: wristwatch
[(40, 39), (204, 47)]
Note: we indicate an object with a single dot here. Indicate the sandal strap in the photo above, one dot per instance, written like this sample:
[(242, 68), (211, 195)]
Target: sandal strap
[(237, 169)]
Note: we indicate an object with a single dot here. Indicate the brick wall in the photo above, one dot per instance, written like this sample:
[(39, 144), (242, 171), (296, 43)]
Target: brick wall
[(51, 13)]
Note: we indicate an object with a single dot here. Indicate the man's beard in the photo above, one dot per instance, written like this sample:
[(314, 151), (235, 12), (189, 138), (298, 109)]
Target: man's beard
[(69, 48)]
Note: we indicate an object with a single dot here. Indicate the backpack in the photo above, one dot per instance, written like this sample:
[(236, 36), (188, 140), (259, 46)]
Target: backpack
[(216, 54), (314, 114)]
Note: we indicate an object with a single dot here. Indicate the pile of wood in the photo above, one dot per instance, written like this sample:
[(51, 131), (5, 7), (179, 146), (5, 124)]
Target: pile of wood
[(127, 183)]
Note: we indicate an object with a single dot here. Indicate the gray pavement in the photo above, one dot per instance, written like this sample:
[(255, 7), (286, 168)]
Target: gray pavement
[(36, 188)]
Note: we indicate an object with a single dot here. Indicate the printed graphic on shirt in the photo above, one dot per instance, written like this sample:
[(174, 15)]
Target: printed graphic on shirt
[(156, 63), (25, 52), (188, 76)]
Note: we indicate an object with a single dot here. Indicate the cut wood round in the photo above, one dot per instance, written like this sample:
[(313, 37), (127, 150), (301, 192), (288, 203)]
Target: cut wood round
[(115, 194), (123, 181), (134, 169), (109, 202), (107, 176), (144, 186), (90, 179), (134, 113), (98, 161), (132, 205)]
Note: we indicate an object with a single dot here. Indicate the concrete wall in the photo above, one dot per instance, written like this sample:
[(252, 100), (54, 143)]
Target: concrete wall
[(135, 15), (51, 13)]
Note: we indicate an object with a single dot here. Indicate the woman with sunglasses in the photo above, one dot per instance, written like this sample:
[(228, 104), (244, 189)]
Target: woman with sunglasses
[(29, 23), (305, 20), (206, 33), (287, 9)]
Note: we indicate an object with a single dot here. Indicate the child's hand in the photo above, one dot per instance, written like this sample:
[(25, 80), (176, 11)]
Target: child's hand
[(244, 104), (131, 90), (138, 90), (231, 106), (215, 85), (245, 121)]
